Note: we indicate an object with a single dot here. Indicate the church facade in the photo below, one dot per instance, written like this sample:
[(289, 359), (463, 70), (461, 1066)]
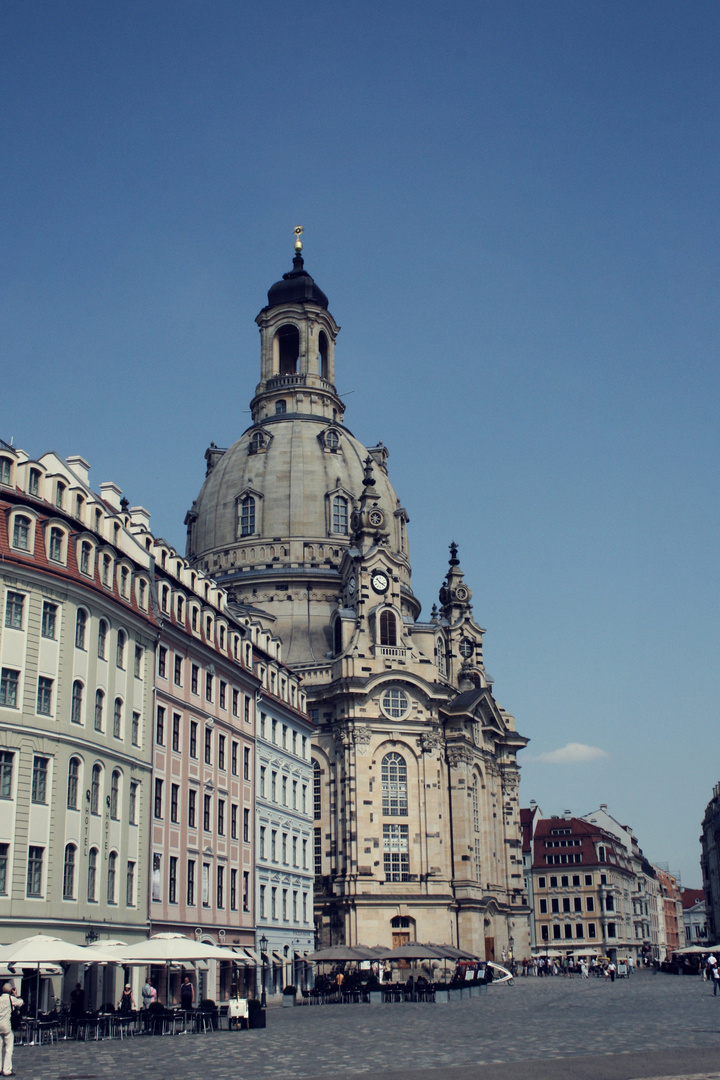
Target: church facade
[(415, 774)]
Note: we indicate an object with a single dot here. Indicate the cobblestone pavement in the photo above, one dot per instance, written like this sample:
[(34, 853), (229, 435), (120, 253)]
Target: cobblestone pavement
[(643, 1028)]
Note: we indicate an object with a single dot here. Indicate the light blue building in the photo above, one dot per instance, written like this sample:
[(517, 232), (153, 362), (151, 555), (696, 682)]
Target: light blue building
[(283, 851)]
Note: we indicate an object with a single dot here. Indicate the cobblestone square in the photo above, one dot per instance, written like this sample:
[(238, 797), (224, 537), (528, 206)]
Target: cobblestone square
[(647, 1026)]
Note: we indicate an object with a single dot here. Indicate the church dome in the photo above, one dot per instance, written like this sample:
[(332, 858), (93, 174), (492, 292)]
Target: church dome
[(296, 287), (294, 467)]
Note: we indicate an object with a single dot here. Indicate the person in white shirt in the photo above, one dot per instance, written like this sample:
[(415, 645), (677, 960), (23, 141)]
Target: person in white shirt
[(8, 1001)]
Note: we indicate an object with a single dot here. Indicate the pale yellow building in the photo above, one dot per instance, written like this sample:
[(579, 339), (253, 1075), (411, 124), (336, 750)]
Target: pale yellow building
[(417, 831)]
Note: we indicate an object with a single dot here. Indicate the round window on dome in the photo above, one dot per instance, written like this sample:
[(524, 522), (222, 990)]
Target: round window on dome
[(395, 704)]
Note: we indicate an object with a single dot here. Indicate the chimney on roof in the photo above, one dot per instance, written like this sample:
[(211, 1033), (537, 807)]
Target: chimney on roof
[(80, 467), (110, 493), (533, 803), (604, 806), (139, 516), (567, 814)]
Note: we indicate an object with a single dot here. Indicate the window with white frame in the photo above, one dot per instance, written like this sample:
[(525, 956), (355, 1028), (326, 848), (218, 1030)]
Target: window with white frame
[(396, 852), (394, 785)]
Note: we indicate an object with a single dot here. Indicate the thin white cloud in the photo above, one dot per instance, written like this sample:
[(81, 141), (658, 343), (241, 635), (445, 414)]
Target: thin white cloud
[(573, 753)]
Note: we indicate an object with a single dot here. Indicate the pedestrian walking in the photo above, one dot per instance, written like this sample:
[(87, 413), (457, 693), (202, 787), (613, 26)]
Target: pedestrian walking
[(9, 1002), (715, 979)]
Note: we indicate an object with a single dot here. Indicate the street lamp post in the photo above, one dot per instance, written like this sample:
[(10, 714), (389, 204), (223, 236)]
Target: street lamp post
[(263, 954)]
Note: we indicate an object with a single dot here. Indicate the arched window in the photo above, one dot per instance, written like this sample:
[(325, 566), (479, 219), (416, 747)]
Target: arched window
[(115, 795), (117, 718), (95, 790), (92, 875), (21, 532), (317, 789), (57, 539), (99, 709), (73, 783), (80, 628), (280, 407), (440, 655), (323, 355), (338, 637), (388, 628), (76, 704), (247, 516), (112, 876), (85, 552), (102, 639), (69, 873), (121, 641), (475, 805), (166, 599), (394, 786), (287, 342), (340, 514)]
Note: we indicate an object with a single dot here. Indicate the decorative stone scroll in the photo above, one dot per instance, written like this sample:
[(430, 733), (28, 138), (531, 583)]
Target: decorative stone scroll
[(459, 755)]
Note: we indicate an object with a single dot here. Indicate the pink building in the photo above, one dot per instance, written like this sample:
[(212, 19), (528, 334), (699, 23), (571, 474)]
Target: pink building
[(202, 798)]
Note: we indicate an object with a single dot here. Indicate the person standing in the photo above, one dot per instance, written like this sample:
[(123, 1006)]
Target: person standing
[(187, 994), (77, 1002), (149, 994), (8, 1001), (612, 969), (715, 979), (126, 1004)]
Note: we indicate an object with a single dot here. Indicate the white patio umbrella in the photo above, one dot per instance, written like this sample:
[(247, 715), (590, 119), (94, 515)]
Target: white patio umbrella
[(33, 952), (173, 948)]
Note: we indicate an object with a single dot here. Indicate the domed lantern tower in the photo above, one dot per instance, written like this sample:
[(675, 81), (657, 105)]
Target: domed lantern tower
[(416, 779)]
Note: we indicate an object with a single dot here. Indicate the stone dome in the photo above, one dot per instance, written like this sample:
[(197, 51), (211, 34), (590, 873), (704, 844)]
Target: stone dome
[(273, 520)]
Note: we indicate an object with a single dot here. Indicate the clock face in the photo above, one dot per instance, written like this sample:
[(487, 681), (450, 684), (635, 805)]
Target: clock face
[(467, 648), (351, 586), (380, 581)]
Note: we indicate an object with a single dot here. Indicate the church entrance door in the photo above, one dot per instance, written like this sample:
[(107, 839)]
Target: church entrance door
[(489, 948)]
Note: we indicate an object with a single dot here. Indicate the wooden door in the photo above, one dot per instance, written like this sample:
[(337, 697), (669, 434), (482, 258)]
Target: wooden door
[(489, 948)]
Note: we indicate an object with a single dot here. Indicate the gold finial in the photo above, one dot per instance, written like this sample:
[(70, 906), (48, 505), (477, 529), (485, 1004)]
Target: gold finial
[(297, 232)]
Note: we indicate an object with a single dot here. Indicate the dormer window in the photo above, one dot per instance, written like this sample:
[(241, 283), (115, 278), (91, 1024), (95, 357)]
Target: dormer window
[(56, 549), (332, 440), (340, 514), (59, 494), (5, 470), (85, 553), (34, 484), (257, 442), (247, 516), (21, 532)]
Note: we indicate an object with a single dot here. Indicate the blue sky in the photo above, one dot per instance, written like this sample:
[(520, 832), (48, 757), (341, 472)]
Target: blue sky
[(513, 209)]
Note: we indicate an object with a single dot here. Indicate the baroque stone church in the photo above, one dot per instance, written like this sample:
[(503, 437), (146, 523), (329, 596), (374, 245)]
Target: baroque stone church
[(417, 823)]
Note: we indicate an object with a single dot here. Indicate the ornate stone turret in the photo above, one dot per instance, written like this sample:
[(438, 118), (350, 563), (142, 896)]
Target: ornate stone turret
[(297, 333), (455, 596)]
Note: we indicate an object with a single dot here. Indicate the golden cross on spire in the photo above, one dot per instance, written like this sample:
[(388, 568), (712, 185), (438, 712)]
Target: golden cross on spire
[(297, 233)]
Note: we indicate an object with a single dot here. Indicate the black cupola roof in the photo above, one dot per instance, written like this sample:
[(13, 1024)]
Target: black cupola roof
[(296, 287)]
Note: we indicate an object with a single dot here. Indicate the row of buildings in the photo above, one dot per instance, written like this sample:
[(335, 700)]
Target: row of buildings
[(155, 752), (157, 765), (591, 890)]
